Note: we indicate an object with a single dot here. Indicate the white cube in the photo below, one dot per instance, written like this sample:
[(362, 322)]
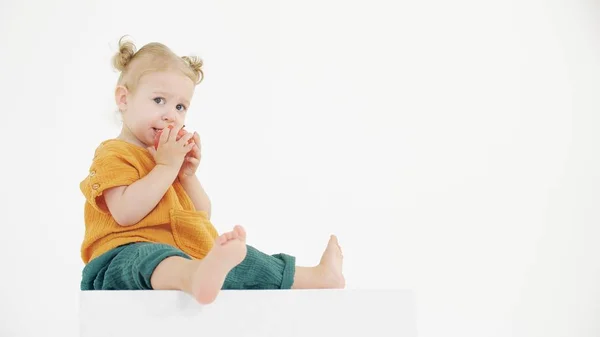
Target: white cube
[(249, 313)]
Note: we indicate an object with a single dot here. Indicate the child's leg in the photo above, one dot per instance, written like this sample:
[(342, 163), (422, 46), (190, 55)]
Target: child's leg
[(203, 279), (231, 264), (127, 267), (261, 271), (327, 274), (145, 266)]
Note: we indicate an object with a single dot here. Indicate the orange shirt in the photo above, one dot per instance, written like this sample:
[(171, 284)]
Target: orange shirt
[(173, 221)]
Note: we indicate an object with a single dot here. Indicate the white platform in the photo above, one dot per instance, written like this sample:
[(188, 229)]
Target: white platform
[(249, 313)]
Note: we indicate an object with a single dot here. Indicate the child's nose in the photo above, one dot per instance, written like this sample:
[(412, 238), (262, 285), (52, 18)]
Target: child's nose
[(170, 115)]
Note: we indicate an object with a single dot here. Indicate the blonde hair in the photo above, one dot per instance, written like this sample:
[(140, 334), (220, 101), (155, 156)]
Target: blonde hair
[(152, 57)]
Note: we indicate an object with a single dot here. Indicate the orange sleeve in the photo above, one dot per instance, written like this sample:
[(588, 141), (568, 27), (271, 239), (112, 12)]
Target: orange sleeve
[(109, 168)]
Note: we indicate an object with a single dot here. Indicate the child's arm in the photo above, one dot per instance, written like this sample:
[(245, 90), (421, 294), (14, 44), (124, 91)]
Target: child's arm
[(199, 197), (130, 204)]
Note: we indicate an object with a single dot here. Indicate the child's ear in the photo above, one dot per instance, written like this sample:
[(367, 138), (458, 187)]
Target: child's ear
[(121, 97)]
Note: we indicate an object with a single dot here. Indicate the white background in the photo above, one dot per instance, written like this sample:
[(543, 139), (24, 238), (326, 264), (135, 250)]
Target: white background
[(451, 145)]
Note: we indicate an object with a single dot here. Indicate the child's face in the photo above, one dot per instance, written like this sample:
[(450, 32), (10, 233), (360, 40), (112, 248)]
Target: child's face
[(161, 99)]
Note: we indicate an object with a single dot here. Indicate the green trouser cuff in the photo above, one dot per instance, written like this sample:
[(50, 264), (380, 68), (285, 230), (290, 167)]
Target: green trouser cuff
[(261, 271)]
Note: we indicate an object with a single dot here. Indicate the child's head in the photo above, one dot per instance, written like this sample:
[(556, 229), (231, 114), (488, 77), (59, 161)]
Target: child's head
[(154, 90)]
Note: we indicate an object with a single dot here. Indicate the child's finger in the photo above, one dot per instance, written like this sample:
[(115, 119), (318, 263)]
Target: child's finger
[(189, 146), (193, 152), (185, 139), (165, 135), (193, 161)]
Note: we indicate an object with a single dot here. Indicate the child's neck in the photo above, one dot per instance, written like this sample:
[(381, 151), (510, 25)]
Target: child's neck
[(128, 137)]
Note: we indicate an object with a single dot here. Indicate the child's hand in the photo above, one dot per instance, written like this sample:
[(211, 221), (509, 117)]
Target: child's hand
[(171, 152), (192, 160)]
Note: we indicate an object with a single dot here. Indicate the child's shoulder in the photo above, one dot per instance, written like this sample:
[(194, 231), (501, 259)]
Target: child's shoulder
[(117, 148)]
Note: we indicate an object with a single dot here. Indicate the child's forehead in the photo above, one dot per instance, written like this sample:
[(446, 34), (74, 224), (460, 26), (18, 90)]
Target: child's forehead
[(164, 79), (168, 83)]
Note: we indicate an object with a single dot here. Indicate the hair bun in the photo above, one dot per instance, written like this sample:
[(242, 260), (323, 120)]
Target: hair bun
[(123, 57), (195, 63)]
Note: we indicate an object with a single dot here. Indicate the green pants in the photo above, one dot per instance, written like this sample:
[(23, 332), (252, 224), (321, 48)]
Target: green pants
[(130, 267)]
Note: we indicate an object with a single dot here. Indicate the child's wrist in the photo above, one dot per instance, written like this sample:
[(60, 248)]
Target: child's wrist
[(185, 178), (167, 169)]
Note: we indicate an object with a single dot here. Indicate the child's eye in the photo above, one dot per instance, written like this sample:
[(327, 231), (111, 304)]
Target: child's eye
[(181, 107), (159, 100)]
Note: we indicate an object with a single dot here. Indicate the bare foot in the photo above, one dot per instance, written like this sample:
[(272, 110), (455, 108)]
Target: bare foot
[(330, 266), (229, 250)]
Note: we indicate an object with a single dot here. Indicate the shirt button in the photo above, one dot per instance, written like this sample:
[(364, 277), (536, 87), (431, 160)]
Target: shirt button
[(95, 186), (93, 173)]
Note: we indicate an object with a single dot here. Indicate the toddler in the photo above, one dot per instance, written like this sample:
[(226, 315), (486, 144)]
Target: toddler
[(147, 216)]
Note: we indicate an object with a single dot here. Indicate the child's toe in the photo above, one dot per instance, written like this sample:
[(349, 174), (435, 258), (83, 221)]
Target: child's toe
[(240, 231), (222, 239)]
